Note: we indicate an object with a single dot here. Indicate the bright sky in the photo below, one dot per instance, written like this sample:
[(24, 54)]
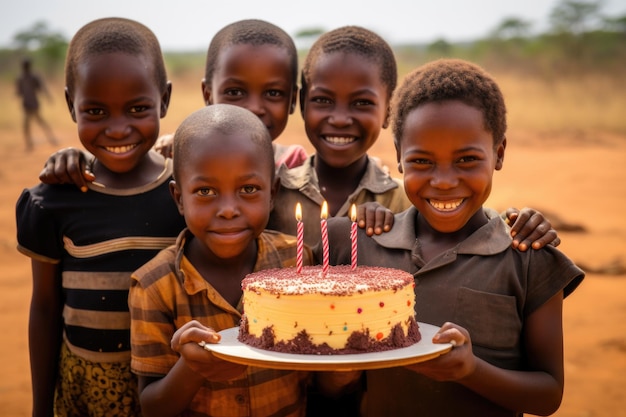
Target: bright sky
[(190, 24)]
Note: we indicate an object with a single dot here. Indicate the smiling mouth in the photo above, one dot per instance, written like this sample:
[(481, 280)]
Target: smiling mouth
[(120, 149), (229, 232), (339, 140), (449, 205)]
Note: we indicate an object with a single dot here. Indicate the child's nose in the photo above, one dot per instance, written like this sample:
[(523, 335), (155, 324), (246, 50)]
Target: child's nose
[(340, 117), (228, 207), (118, 128), (444, 178), (256, 106)]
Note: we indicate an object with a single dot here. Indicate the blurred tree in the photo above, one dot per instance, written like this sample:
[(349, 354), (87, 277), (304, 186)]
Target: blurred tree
[(304, 38), (48, 44), (512, 28), (440, 47), (616, 24), (309, 33), (575, 17)]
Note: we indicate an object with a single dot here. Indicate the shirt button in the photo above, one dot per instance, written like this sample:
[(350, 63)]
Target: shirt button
[(240, 399)]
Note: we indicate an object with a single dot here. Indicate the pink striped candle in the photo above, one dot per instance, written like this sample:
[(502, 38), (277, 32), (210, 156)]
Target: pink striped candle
[(353, 238), (324, 227), (300, 239)]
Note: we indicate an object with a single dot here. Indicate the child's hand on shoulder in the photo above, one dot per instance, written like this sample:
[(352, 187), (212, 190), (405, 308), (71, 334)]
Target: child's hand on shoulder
[(374, 218), (67, 166), (530, 228), (165, 145), (454, 365), (188, 341)]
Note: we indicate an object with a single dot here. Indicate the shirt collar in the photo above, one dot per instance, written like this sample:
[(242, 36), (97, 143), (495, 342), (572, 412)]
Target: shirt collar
[(375, 179), (267, 257), (494, 237)]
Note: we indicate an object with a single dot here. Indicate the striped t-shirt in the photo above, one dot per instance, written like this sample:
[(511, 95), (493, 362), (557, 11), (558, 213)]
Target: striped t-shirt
[(98, 238)]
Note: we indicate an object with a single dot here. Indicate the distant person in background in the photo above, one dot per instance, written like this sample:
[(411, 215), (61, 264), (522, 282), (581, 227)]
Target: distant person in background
[(29, 85)]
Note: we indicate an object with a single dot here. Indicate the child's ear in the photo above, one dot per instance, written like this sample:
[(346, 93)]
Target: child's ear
[(70, 104), (177, 196), (302, 99), (274, 192), (387, 116), (165, 99), (206, 92), (500, 154), (397, 146), (294, 100)]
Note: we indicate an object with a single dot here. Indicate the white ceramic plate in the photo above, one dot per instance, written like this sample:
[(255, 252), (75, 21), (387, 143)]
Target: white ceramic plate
[(231, 349)]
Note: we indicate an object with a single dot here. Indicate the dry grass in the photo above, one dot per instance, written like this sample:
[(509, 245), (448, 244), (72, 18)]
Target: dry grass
[(583, 105)]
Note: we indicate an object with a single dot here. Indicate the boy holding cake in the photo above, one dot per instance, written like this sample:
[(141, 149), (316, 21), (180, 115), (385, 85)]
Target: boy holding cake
[(500, 307), (223, 186)]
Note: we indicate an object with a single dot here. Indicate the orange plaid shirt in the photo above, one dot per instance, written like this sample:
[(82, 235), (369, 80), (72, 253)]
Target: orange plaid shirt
[(168, 291)]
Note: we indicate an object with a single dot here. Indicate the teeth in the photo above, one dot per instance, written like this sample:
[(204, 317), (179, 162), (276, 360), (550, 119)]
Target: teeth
[(120, 149), (338, 140), (445, 205)]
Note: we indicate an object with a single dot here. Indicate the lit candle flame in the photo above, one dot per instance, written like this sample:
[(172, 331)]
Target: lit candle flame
[(324, 213), (298, 212), (353, 213)]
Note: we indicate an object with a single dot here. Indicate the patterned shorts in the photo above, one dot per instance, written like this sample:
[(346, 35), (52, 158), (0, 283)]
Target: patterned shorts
[(94, 389)]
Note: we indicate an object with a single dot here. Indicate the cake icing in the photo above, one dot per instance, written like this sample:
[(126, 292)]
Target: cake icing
[(345, 311)]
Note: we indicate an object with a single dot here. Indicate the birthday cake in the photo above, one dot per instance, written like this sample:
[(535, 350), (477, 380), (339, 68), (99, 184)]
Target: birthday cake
[(366, 309)]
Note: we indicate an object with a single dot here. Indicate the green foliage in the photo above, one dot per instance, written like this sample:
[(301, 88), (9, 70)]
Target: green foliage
[(512, 28), (49, 46), (309, 33), (180, 64), (575, 17)]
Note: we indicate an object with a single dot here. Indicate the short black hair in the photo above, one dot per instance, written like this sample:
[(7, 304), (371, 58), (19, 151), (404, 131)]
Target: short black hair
[(110, 35), (354, 40), (253, 32), (226, 119), (450, 79)]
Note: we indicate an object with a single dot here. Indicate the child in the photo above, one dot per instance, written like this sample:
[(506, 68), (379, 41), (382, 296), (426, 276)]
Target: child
[(254, 64), (249, 63), (224, 186), (28, 87), (501, 308), (347, 80), (85, 246)]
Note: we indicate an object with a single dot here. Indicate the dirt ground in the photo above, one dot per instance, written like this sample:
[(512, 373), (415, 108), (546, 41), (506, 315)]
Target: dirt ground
[(579, 182)]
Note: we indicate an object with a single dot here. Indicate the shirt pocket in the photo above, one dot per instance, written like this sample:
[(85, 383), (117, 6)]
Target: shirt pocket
[(491, 319)]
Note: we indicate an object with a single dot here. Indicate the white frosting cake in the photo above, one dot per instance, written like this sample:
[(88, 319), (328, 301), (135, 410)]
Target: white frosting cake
[(346, 311)]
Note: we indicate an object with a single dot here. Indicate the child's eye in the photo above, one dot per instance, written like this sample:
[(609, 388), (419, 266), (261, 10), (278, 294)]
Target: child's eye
[(421, 161), (234, 92), (249, 189), (138, 109), (205, 192), (467, 158), (363, 102), (275, 93), (94, 112), (320, 100)]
